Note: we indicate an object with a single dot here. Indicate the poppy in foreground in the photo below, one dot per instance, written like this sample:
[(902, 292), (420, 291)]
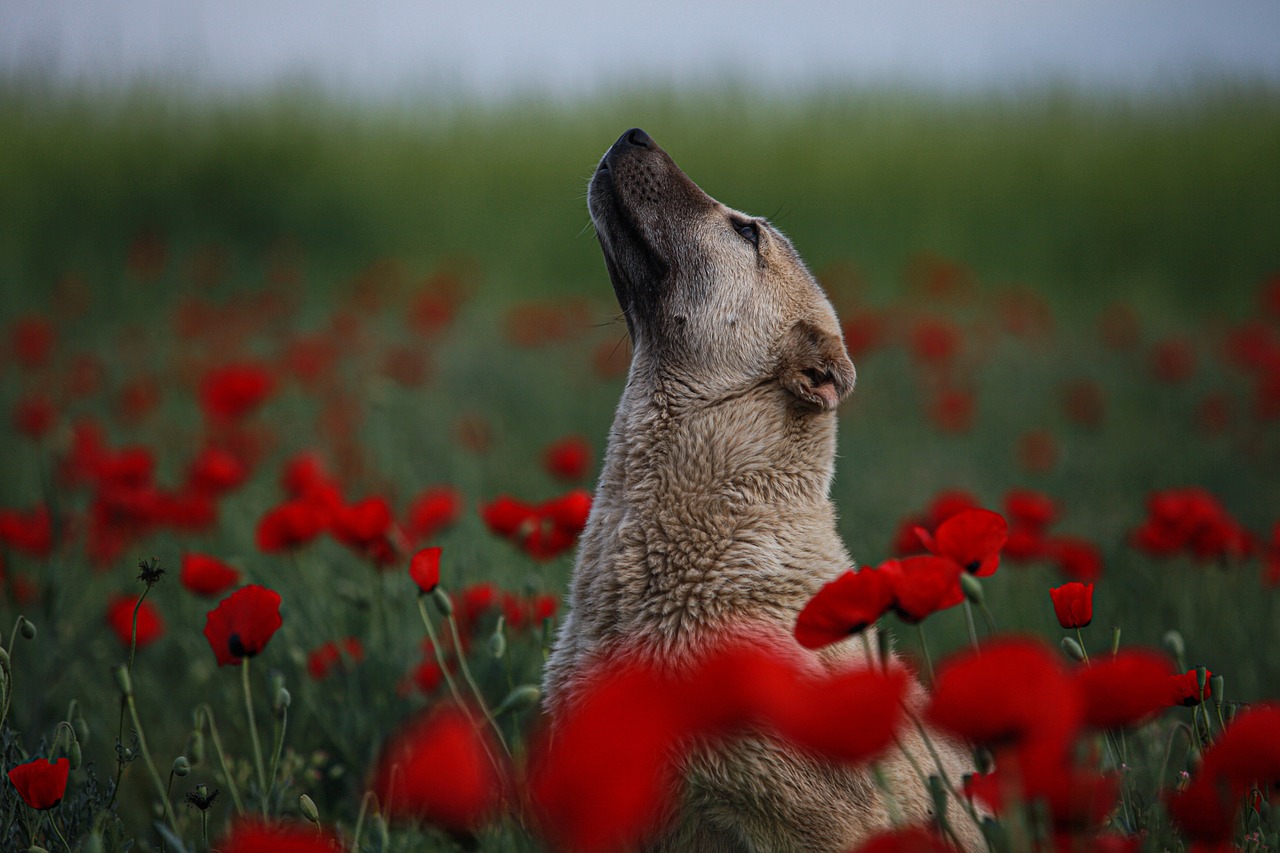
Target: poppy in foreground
[(41, 783), (843, 607), (1073, 604), (259, 836), (243, 623)]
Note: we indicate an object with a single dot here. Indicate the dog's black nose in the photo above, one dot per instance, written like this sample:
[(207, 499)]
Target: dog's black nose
[(637, 137)]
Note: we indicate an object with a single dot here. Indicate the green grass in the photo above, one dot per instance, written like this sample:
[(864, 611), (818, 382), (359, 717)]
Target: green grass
[(1171, 205)]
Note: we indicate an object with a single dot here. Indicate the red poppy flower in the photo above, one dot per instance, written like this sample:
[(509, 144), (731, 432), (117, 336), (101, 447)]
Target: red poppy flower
[(1025, 544), (568, 459), (424, 568), (1247, 754), (1185, 690), (34, 416), (30, 532), (543, 606), (1074, 557), (41, 783), (844, 607), (1073, 604), (508, 517), (208, 576), (120, 620), (817, 717), (1173, 360), (243, 623), (431, 512), (952, 410), (1030, 510), (230, 393), (934, 342), (216, 471), (427, 676), (909, 840), (324, 659), (972, 538), (923, 585), (362, 522), (288, 526), (254, 835), (987, 789), (569, 512), (1123, 690), (438, 770), (1038, 452)]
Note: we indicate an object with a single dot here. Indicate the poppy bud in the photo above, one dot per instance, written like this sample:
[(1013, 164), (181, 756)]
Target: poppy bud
[(27, 628), (972, 588), (121, 673), (498, 641), (82, 729), (281, 701), (1215, 689), (36, 848), (275, 683), (1172, 642), (75, 755), (524, 696), (1073, 649), (195, 747), (1202, 678), (443, 602), (4, 660), (308, 809), (1115, 639), (181, 766)]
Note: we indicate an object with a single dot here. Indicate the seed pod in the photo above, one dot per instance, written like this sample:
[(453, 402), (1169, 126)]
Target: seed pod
[(1115, 639), (524, 696), (195, 747), (1173, 644), (74, 754), (27, 628), (972, 588), (181, 766), (1202, 679), (1215, 689), (309, 810), (1073, 649), (281, 701), (498, 640), (82, 729), (121, 673), (443, 602)]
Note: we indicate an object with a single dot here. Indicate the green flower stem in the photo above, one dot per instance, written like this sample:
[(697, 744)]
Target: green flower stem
[(942, 771), (973, 628), (279, 743), (253, 732), (133, 635), (364, 808), (988, 617), (58, 832), (439, 653), (1085, 651), (924, 650), (8, 670), (890, 801), (204, 828), (222, 758), (471, 682), (151, 765)]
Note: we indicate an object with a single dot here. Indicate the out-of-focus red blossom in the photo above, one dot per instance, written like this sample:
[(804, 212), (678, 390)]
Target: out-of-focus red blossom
[(987, 789), (1037, 713), (243, 623), (1185, 689), (952, 410), (42, 782), (864, 332), (543, 531), (35, 415), (440, 770), (253, 835), (908, 840), (473, 433), (1119, 327), (324, 659), (120, 620), (542, 606), (425, 677), (310, 358), (1244, 756), (473, 602), (1084, 403), (431, 512), (1026, 314), (923, 585), (1124, 689), (1252, 346), (568, 459), (1190, 520), (1173, 360), (424, 568), (1073, 604), (1038, 452), (288, 526), (935, 342), (216, 471), (944, 505), (843, 607), (1029, 509), (231, 392), (1214, 413), (433, 307), (31, 340), (138, 399), (1078, 559), (207, 576), (363, 524), (972, 538), (29, 532), (304, 474)]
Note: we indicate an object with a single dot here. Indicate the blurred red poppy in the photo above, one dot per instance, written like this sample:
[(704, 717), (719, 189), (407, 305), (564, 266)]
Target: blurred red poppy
[(908, 840), (424, 568), (207, 576), (30, 531), (935, 342), (231, 392), (439, 769), (120, 620), (1173, 360), (432, 511), (324, 659), (923, 585), (1190, 520), (42, 782), (1037, 451), (1075, 558), (1185, 689), (255, 835), (952, 410), (34, 416), (568, 459), (31, 340), (972, 538), (843, 607), (1084, 403), (288, 526), (1124, 689), (216, 471), (1073, 604), (1030, 510), (243, 623)]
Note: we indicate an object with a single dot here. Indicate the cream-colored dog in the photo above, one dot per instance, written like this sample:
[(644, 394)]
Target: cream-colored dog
[(712, 507)]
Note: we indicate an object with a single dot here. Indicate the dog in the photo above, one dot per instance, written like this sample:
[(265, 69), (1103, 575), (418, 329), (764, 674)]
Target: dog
[(712, 505)]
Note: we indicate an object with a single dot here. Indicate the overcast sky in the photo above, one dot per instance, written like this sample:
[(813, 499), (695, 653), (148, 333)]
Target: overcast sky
[(567, 47)]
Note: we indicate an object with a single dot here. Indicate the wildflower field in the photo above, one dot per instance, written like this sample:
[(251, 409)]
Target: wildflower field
[(303, 403)]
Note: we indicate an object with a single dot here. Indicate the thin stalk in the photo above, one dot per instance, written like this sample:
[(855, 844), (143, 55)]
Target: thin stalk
[(964, 801), (253, 732), (151, 766), (471, 682), (890, 801), (1083, 650), (439, 653), (204, 828), (1168, 750), (222, 758), (988, 617), (279, 744), (924, 650), (364, 808), (58, 832), (973, 629)]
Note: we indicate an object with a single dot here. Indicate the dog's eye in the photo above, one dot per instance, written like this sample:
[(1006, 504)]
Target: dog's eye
[(748, 231)]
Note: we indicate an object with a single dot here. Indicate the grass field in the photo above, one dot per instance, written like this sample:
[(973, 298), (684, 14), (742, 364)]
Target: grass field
[(1073, 295)]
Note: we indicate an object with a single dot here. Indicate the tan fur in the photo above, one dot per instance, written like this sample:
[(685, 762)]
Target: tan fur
[(712, 506)]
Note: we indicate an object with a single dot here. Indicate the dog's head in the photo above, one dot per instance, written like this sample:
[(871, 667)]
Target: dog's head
[(713, 295)]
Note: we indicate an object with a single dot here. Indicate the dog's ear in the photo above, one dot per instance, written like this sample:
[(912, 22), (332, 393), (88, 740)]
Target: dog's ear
[(814, 366)]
